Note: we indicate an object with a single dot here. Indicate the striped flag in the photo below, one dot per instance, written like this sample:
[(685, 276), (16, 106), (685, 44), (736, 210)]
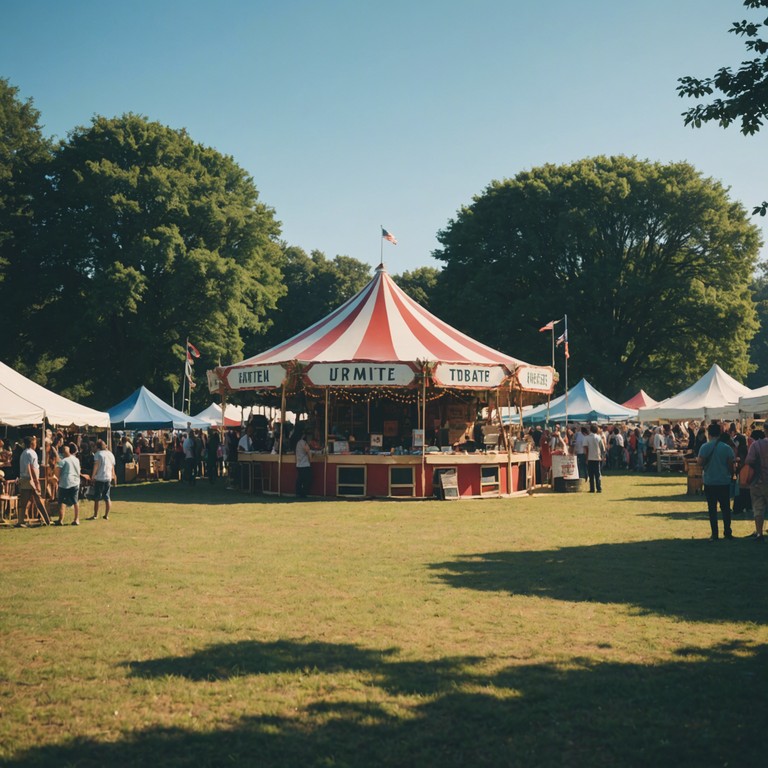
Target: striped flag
[(188, 370), (550, 326), (564, 340), (191, 348), (388, 236)]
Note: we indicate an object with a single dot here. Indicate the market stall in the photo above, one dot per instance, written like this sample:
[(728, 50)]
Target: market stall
[(388, 391)]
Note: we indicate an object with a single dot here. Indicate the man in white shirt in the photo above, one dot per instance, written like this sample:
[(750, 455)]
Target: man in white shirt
[(29, 484), (189, 458), (595, 449), (103, 473)]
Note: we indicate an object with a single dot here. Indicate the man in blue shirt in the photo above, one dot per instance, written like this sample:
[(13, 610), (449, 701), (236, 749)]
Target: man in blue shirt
[(716, 457)]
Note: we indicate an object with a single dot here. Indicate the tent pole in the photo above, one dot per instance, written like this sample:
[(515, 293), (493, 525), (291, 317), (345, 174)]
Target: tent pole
[(509, 444), (325, 447), (565, 317), (280, 445), (424, 432)]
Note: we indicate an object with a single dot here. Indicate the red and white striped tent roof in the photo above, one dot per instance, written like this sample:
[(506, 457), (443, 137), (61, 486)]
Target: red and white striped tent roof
[(380, 337), (383, 324)]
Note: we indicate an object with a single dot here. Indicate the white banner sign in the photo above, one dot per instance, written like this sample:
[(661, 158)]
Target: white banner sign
[(535, 379), (483, 376), (360, 375), (256, 377)]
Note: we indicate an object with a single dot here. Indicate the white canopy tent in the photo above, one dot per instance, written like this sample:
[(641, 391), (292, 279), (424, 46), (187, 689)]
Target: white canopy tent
[(757, 402), (233, 415), (714, 396), (22, 401)]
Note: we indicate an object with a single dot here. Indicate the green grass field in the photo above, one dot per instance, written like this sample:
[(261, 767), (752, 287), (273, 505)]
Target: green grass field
[(203, 627)]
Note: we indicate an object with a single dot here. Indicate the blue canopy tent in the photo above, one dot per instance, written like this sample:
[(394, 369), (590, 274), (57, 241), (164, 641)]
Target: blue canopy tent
[(144, 410), (585, 403)]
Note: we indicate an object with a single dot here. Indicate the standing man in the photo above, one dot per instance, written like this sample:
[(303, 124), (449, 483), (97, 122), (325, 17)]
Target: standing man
[(29, 483), (595, 450), (103, 474), (716, 457), (68, 472), (190, 448), (303, 467)]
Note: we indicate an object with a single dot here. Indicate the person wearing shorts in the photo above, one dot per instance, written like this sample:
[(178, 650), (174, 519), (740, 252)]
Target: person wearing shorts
[(103, 472), (68, 472)]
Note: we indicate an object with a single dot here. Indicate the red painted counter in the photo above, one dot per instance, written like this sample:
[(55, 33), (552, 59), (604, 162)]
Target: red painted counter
[(361, 476)]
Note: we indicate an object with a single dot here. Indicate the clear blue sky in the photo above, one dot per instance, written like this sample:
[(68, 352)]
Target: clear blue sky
[(351, 113)]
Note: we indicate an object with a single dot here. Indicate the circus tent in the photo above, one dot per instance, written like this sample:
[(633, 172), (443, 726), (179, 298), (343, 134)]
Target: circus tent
[(389, 338)]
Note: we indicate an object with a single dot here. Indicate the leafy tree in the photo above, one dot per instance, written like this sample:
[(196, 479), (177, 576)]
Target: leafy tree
[(146, 238), (758, 354), (24, 153), (315, 286), (419, 284), (744, 93), (652, 264)]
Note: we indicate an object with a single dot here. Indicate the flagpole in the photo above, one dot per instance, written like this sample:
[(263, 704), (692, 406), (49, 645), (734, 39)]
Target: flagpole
[(549, 396), (565, 348), (381, 243), (184, 378)]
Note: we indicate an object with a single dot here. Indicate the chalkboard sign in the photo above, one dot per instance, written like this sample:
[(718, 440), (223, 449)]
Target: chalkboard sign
[(449, 483)]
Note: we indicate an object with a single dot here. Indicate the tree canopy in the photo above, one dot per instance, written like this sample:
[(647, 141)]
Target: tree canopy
[(315, 286), (419, 284), (652, 264), (23, 156), (145, 238), (743, 93)]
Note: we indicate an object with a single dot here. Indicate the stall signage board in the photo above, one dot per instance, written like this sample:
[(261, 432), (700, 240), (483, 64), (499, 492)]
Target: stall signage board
[(534, 378), (214, 382), (565, 466), (449, 484), (256, 377), (469, 376), (360, 375)]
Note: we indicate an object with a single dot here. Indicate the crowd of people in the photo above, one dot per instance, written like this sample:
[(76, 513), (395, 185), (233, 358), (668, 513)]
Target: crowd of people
[(57, 474), (734, 464)]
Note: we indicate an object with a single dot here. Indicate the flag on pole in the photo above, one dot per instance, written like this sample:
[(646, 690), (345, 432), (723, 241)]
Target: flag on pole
[(192, 348), (188, 370), (550, 326), (388, 236), (563, 340)]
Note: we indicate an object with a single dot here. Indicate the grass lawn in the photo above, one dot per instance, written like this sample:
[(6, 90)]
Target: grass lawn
[(203, 627)]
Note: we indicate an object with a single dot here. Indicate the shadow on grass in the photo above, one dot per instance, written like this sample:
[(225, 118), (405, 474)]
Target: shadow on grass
[(677, 498), (227, 661), (202, 492), (692, 579), (703, 708)]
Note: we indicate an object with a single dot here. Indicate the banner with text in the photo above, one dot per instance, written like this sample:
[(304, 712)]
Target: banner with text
[(360, 375), (256, 377), (469, 376), (533, 378)]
